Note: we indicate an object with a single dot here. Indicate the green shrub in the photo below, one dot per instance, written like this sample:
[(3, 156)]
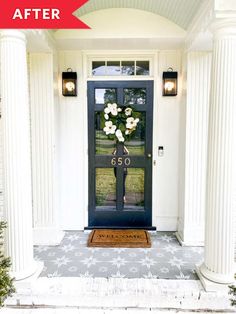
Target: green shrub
[(233, 293), (6, 282)]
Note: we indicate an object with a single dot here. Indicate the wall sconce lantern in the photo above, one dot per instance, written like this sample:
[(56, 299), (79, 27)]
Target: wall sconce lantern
[(69, 83), (170, 83)]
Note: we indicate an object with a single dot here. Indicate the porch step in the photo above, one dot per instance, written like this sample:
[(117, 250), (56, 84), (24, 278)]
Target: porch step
[(118, 294), (98, 311)]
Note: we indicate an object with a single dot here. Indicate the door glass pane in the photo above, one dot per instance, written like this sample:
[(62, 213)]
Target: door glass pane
[(134, 188), (105, 187), (127, 67), (113, 68), (105, 95), (104, 146), (135, 96), (98, 68), (142, 67), (136, 146)]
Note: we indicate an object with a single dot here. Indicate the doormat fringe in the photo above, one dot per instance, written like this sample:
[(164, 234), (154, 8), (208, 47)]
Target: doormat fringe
[(119, 238)]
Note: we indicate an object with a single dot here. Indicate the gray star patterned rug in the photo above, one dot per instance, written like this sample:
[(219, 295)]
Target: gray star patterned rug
[(166, 259)]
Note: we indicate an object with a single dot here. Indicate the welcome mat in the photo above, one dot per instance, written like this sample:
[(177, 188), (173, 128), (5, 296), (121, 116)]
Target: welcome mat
[(119, 238)]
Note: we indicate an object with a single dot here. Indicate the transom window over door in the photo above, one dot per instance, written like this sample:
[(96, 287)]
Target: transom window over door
[(120, 174), (126, 67)]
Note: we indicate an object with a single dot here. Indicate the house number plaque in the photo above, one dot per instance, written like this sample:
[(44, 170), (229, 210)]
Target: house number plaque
[(120, 161)]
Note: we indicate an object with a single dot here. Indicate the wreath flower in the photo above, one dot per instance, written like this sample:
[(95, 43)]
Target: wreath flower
[(119, 122), (109, 128)]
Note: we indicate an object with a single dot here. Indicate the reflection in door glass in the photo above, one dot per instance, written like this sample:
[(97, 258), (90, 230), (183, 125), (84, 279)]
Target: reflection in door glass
[(135, 96), (134, 188), (113, 68), (104, 146), (98, 68), (127, 67), (105, 187), (105, 95), (136, 146), (142, 67)]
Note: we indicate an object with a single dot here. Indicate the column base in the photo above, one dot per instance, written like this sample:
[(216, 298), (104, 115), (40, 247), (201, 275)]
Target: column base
[(188, 242), (47, 236), (213, 281), (32, 273)]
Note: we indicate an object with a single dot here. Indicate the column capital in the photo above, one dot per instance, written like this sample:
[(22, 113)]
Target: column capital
[(12, 33), (225, 27)]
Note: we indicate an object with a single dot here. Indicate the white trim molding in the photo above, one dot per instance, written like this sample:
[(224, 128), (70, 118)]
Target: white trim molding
[(45, 213), (194, 150)]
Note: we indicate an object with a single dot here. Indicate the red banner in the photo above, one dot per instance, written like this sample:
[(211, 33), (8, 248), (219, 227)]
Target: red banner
[(38, 14)]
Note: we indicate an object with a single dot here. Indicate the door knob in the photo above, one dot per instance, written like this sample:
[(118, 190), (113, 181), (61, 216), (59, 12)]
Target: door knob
[(149, 155)]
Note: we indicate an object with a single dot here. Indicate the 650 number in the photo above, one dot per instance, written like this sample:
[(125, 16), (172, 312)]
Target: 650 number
[(119, 161)]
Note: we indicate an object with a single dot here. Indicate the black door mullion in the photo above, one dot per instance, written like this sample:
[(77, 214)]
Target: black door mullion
[(119, 188), (91, 147), (120, 98), (148, 162), (149, 113), (119, 178)]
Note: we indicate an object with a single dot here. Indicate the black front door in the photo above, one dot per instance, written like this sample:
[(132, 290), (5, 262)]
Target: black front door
[(120, 175)]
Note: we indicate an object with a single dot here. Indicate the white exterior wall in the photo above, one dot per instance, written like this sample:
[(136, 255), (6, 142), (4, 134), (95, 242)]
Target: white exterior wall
[(1, 166), (166, 134), (72, 140), (72, 155), (1, 171)]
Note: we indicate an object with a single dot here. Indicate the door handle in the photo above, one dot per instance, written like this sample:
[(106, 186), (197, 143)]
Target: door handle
[(149, 155)]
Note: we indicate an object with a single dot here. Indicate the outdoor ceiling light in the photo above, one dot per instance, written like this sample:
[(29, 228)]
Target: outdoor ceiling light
[(69, 83), (170, 82)]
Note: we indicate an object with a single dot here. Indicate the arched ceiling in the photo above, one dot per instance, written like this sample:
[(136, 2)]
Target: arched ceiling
[(181, 12)]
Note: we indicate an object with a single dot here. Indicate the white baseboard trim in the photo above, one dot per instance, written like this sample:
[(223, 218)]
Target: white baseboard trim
[(188, 243), (165, 223), (47, 236)]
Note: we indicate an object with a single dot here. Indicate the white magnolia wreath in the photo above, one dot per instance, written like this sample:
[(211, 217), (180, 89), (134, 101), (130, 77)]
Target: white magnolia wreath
[(120, 122)]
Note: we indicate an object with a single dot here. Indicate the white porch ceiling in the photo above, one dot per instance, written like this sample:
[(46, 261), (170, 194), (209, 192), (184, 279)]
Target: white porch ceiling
[(181, 12)]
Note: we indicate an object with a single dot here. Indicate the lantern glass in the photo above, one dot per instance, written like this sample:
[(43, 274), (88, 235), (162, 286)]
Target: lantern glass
[(170, 83), (69, 81)]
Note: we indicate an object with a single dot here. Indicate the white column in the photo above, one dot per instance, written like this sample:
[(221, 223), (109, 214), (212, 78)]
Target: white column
[(16, 154), (219, 232), (192, 190), (45, 220)]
